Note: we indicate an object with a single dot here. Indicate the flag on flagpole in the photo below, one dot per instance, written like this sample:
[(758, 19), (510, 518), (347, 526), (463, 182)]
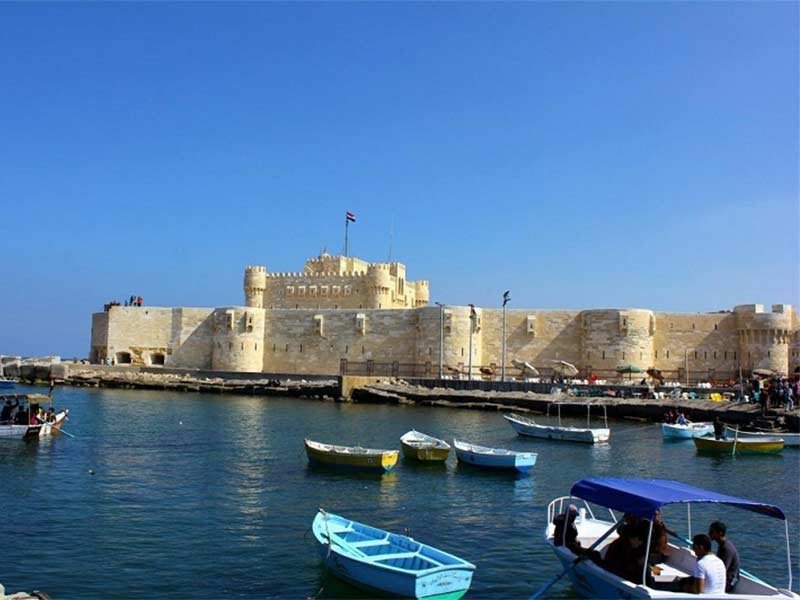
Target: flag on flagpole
[(351, 217)]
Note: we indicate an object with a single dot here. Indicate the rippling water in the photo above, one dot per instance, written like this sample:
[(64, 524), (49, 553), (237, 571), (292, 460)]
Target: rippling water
[(206, 496)]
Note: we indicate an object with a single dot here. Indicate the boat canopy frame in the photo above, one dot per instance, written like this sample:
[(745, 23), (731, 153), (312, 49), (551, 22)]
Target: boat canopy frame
[(644, 497)]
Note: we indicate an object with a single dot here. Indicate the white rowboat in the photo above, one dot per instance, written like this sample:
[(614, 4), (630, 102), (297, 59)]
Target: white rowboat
[(529, 427), (494, 458), (686, 432)]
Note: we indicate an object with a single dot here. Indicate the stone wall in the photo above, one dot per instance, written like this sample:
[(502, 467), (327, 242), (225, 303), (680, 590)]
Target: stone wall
[(315, 341)]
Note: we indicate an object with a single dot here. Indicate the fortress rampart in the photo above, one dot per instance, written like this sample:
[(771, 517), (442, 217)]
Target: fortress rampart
[(360, 311)]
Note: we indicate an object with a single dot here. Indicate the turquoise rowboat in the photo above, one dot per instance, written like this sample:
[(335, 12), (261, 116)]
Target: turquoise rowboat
[(379, 561)]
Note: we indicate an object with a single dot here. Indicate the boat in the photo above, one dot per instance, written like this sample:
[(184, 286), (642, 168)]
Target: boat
[(528, 427), (710, 445), (388, 563), (24, 427), (687, 431), (494, 458), (424, 448), (789, 439), (6, 384), (643, 498), (354, 457)]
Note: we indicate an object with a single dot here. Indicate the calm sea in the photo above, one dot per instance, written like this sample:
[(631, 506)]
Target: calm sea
[(206, 496)]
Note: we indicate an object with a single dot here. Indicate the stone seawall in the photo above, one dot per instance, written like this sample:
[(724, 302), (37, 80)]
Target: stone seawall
[(530, 402)]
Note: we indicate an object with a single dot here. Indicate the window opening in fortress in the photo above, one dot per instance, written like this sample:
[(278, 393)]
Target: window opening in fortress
[(362, 350), (667, 353), (346, 349), (287, 347), (230, 345), (255, 346), (656, 352), (273, 347), (123, 358), (715, 326), (301, 348), (157, 359), (604, 354)]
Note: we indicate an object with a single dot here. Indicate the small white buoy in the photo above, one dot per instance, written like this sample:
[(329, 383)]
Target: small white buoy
[(180, 422), (91, 471)]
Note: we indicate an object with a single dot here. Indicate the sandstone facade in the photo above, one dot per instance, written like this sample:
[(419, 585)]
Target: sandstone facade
[(369, 312)]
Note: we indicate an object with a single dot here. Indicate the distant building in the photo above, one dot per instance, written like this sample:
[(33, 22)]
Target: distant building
[(343, 308)]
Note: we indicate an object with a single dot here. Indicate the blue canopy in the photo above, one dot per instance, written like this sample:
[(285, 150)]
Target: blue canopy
[(643, 497)]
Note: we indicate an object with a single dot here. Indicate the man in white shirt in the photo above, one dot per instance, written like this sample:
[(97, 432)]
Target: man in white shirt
[(709, 573)]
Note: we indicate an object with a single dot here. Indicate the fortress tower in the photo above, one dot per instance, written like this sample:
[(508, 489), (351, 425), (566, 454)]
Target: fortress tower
[(765, 337), (238, 339), (255, 282), (612, 338), (337, 282)]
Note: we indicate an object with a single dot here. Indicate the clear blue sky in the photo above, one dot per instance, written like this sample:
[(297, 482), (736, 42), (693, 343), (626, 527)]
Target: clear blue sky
[(582, 155)]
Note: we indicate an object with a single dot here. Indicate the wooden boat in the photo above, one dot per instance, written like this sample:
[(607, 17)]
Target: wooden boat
[(685, 432), (11, 431), (771, 445), (494, 458), (424, 448), (379, 561), (353, 457), (789, 439), (529, 427), (643, 498)]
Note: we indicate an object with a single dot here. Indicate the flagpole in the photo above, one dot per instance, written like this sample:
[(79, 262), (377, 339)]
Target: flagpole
[(346, 223)]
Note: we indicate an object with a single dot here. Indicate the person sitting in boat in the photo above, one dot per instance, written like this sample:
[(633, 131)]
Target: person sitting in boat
[(682, 420), (5, 414), (727, 553), (709, 571), (622, 555), (719, 429), (659, 543), (566, 533)]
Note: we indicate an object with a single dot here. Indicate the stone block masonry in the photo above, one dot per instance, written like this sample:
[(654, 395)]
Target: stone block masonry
[(345, 308)]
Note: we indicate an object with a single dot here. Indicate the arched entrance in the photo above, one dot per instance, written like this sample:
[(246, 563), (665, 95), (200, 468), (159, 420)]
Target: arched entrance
[(123, 358), (157, 358)]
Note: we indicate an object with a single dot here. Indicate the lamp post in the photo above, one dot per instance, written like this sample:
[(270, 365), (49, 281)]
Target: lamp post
[(472, 315), (441, 339), (506, 299)]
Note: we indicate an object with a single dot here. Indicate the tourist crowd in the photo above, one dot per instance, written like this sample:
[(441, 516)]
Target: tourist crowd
[(131, 301)]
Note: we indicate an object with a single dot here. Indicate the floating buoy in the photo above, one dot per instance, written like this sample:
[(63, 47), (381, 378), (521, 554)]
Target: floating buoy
[(91, 471)]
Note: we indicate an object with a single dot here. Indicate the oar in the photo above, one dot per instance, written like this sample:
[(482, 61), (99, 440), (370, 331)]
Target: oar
[(555, 580)]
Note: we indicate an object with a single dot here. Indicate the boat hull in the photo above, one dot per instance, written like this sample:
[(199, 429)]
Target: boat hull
[(789, 439), (54, 428), (523, 464), (740, 446), (424, 454), (379, 561), (19, 432), (565, 434), (383, 461), (686, 432)]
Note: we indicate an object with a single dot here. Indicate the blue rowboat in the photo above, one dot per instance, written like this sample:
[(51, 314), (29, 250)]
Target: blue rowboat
[(6, 384), (644, 498), (397, 565), (494, 458)]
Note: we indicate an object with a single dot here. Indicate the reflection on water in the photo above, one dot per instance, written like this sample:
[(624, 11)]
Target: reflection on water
[(206, 495)]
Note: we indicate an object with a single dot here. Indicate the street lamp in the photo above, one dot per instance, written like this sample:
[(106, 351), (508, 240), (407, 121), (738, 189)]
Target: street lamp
[(506, 299), (472, 316), (441, 339)]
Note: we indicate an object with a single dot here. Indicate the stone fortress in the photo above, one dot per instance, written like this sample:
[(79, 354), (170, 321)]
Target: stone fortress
[(343, 308)]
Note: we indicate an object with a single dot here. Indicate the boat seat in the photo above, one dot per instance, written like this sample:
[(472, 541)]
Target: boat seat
[(384, 557), (369, 543)]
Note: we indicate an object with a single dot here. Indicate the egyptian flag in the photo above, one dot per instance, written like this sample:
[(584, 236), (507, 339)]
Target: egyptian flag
[(350, 217)]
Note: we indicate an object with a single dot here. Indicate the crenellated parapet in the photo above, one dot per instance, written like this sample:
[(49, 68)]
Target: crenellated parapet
[(238, 339), (765, 337)]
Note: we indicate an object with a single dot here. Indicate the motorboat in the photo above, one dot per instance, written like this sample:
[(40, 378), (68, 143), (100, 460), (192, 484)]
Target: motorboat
[(686, 431), (494, 458), (354, 457), (388, 563), (30, 420), (643, 498), (425, 448)]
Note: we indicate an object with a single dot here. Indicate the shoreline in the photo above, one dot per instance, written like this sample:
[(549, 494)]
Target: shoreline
[(387, 391)]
